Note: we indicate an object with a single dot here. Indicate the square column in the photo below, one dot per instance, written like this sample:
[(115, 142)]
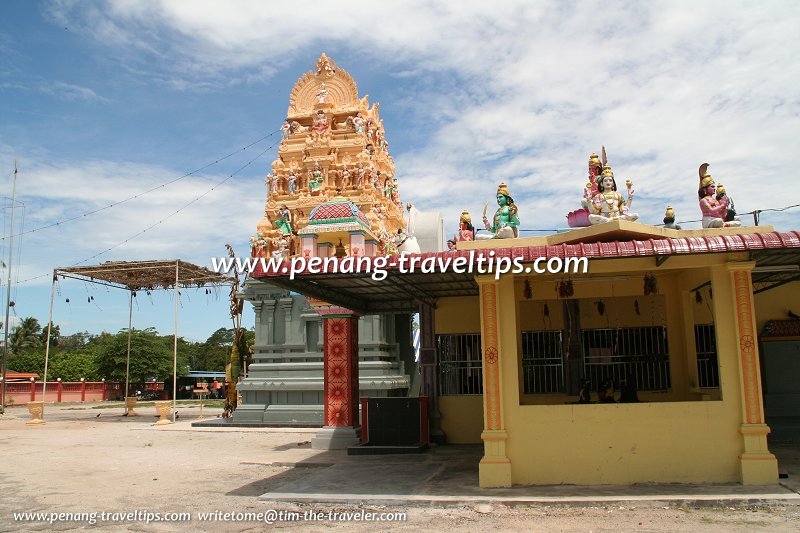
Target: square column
[(357, 243), (759, 466), (736, 332), (494, 469), (340, 377), (309, 246)]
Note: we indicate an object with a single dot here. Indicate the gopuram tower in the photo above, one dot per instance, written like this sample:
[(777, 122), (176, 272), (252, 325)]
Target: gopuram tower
[(334, 150), (332, 191)]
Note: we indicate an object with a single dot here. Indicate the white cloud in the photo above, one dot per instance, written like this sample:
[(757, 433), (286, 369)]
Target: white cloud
[(520, 91)]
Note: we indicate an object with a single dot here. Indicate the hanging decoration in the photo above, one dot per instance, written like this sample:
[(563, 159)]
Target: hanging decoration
[(564, 288), (650, 284), (601, 307), (528, 291)]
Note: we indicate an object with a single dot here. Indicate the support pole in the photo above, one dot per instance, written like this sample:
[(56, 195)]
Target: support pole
[(8, 294), (47, 344), (175, 348), (128, 357)]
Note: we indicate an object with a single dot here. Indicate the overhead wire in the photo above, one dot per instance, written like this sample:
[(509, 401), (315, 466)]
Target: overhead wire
[(196, 199), (138, 195)]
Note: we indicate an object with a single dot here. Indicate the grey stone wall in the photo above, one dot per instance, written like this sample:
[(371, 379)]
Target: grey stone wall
[(284, 384)]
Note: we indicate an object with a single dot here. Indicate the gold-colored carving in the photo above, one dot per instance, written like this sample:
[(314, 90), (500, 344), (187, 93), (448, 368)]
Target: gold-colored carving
[(491, 370), (330, 125), (747, 346)]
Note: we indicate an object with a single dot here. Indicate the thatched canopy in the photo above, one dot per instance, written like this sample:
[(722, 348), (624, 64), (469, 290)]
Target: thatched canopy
[(147, 275)]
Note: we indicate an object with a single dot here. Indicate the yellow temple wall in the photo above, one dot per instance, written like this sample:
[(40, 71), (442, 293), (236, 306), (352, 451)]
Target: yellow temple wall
[(458, 315), (462, 418)]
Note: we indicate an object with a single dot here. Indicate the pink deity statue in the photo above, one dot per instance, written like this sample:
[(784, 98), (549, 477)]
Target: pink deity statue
[(466, 231), (321, 122), (717, 208)]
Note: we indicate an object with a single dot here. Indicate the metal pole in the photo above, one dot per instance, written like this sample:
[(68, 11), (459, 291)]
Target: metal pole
[(8, 293), (175, 349), (128, 357), (47, 345)]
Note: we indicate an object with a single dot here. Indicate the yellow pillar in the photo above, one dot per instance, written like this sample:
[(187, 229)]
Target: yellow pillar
[(494, 469), (733, 288)]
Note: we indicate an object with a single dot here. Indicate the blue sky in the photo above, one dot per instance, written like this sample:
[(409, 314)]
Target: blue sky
[(102, 100)]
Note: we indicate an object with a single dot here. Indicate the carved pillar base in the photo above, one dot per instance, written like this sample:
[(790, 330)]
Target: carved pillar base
[(759, 466), (494, 470)]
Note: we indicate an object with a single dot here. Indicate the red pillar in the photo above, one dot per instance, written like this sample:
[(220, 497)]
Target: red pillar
[(83, 390), (341, 370), (340, 379), (60, 389), (33, 390)]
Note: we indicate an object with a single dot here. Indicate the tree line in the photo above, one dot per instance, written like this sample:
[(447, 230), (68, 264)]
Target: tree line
[(95, 357)]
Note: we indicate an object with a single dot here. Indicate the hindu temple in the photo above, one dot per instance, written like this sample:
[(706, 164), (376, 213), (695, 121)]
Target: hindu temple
[(332, 192)]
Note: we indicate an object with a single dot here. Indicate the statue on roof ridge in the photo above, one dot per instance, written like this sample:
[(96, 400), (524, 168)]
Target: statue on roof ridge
[(608, 204), (716, 206), (505, 221)]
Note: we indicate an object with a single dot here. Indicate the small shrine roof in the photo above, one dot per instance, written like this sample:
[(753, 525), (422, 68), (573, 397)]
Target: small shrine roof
[(403, 293), (338, 214)]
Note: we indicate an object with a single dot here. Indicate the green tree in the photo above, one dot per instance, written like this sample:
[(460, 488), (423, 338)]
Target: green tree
[(151, 356), (55, 335)]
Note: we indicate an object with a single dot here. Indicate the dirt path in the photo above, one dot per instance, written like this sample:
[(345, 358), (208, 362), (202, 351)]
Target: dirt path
[(81, 463)]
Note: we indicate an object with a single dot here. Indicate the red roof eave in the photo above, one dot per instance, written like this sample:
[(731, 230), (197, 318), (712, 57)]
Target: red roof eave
[(598, 250)]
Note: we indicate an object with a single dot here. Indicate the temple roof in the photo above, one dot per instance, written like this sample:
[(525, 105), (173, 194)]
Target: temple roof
[(777, 256)]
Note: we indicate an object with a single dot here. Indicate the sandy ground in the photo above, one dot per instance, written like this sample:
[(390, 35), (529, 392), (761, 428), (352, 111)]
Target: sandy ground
[(81, 463)]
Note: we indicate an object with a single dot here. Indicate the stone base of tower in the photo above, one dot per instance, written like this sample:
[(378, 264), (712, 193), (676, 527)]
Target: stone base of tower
[(284, 385)]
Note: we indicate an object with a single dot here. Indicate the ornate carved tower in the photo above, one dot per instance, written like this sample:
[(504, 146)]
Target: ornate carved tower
[(334, 146)]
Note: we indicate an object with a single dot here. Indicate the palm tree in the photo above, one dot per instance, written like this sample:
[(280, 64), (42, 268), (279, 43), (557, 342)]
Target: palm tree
[(26, 336)]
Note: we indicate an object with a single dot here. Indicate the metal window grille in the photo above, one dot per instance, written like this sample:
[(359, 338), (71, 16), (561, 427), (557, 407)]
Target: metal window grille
[(705, 341), (460, 366), (542, 362), (638, 354)]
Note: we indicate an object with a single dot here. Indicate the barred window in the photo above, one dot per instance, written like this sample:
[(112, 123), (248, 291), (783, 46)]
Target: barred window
[(638, 354), (542, 362), (705, 341), (460, 366)]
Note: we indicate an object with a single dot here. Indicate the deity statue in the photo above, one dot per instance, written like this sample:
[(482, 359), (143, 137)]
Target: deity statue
[(315, 177), (716, 206), (669, 219), (292, 179), (375, 177), (281, 247), (595, 167), (321, 122), (345, 178), (322, 94), (286, 129), (284, 221), (359, 123), (394, 193), (387, 187), (505, 221), (466, 231), (273, 180), (361, 174), (608, 205)]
